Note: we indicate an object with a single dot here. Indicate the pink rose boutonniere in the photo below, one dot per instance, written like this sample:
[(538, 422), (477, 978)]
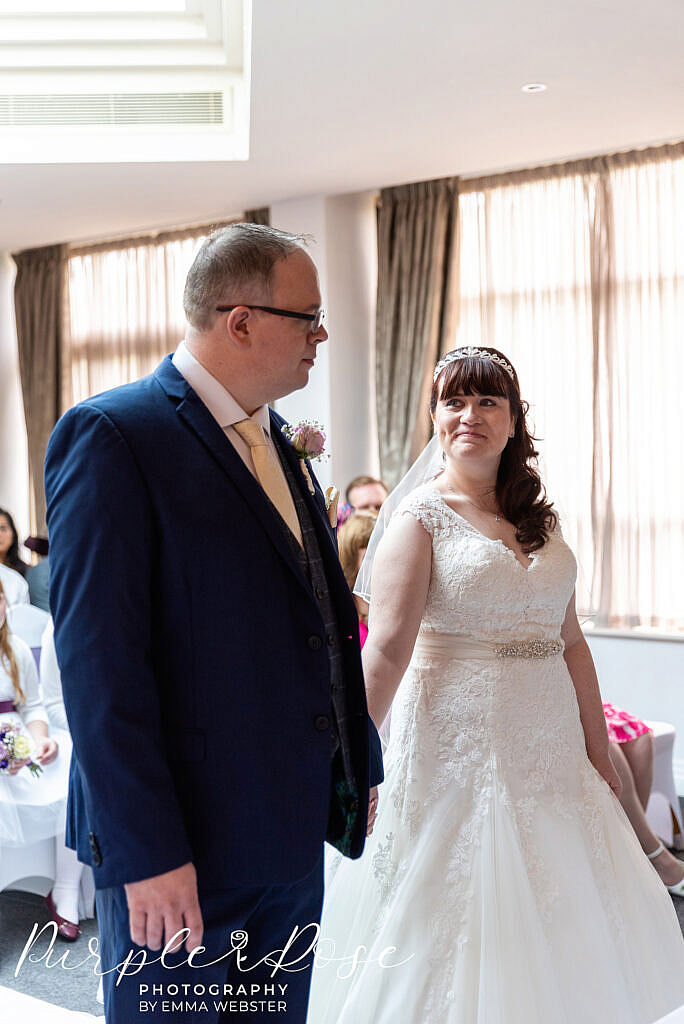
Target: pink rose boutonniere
[(308, 441)]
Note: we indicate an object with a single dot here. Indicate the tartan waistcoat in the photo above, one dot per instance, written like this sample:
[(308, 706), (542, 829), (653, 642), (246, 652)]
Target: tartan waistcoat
[(344, 807)]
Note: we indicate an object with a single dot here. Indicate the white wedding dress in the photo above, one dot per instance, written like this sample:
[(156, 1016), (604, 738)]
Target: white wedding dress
[(501, 866)]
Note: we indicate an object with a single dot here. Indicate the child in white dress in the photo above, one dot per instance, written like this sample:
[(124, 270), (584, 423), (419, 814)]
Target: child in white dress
[(34, 808)]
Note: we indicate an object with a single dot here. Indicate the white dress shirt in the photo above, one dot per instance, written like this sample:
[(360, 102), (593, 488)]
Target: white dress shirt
[(221, 404)]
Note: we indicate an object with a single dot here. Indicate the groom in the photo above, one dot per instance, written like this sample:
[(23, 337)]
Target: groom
[(209, 652)]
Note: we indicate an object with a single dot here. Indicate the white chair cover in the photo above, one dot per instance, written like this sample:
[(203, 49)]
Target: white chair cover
[(663, 806), (28, 622)]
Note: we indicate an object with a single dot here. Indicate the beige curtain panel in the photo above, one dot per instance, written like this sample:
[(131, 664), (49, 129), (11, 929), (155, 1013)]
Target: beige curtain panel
[(38, 303), (415, 233), (576, 272)]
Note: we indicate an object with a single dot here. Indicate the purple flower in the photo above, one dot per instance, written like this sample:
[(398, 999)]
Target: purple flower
[(3, 765), (3, 750)]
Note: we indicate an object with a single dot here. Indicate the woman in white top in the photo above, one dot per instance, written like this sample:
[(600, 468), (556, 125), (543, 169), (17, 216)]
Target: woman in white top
[(33, 809)]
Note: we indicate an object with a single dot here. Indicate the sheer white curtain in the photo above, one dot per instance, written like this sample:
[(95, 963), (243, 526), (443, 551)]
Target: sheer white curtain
[(525, 288), (124, 311), (577, 273), (646, 395)]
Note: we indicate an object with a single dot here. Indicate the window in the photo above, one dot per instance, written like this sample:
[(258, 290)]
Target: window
[(124, 311), (577, 274)]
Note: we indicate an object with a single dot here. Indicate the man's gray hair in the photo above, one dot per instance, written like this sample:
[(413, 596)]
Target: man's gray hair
[(229, 264)]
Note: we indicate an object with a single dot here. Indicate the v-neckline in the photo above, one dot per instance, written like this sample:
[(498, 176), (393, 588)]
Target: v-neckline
[(490, 540)]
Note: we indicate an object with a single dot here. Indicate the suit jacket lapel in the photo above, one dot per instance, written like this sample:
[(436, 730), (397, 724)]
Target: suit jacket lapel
[(197, 418), (315, 502)]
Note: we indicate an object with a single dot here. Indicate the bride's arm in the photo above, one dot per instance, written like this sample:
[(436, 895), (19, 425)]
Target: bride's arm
[(401, 577), (583, 674)]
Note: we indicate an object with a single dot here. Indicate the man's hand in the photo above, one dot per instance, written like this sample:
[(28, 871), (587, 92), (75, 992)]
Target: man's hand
[(159, 907), (372, 809)]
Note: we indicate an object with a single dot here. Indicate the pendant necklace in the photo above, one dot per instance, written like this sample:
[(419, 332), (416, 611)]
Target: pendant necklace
[(485, 511)]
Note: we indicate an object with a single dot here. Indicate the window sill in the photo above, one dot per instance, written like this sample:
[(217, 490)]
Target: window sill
[(634, 634)]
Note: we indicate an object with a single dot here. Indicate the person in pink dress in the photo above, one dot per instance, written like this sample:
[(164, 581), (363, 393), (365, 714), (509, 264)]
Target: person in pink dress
[(631, 751)]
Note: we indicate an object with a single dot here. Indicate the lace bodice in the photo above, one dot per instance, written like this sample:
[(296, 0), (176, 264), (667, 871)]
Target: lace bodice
[(478, 588)]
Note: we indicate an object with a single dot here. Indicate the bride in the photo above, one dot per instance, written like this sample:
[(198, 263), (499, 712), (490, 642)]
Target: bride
[(503, 883)]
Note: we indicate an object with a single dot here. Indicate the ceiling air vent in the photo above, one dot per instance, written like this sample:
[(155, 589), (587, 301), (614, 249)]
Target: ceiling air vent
[(112, 109)]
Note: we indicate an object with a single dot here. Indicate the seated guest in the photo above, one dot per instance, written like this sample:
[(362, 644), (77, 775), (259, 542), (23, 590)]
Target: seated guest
[(15, 586), (352, 540), (38, 575), (631, 751), (32, 809), (366, 494), (9, 544)]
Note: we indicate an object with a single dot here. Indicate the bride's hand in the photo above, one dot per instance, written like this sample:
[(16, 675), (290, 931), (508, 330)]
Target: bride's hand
[(46, 750), (604, 766)]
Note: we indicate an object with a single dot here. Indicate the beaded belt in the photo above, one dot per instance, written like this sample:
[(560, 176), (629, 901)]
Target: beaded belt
[(453, 645)]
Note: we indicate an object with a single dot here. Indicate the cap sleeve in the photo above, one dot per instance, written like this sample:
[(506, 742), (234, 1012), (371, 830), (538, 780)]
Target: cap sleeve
[(425, 505)]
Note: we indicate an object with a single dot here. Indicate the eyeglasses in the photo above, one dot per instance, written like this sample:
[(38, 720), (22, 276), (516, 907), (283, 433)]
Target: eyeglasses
[(315, 319)]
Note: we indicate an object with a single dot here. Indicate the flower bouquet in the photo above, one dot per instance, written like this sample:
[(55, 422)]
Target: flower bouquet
[(15, 748)]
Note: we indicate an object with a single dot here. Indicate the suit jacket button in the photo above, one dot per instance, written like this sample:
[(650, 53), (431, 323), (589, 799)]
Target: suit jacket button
[(314, 643), (322, 722)]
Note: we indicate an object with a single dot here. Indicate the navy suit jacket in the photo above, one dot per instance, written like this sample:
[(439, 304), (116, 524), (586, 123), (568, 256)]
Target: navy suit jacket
[(189, 643)]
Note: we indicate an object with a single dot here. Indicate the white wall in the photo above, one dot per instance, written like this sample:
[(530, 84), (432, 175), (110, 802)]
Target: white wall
[(340, 394), (645, 677), (13, 443), (352, 283)]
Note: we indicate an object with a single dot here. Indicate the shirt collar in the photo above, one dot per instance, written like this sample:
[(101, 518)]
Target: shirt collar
[(220, 403)]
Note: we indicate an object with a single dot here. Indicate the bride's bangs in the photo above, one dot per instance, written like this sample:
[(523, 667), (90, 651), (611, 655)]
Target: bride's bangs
[(474, 377)]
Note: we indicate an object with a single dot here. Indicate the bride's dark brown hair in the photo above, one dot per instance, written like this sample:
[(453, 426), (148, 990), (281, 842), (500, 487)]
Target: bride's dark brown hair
[(519, 491)]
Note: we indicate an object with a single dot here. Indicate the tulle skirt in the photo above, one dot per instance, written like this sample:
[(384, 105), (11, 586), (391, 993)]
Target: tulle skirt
[(503, 883)]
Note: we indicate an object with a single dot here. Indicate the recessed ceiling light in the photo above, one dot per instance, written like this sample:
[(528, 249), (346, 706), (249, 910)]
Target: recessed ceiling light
[(534, 87)]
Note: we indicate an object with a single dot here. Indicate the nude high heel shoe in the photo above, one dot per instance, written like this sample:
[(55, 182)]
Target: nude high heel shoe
[(678, 888)]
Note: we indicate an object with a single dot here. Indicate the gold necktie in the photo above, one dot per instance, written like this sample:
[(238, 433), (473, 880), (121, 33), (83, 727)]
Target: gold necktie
[(270, 473)]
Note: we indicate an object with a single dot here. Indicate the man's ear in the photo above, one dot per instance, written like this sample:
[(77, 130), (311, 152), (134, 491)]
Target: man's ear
[(237, 326)]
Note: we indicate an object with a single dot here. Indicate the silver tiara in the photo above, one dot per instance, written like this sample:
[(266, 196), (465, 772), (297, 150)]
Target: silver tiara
[(472, 353)]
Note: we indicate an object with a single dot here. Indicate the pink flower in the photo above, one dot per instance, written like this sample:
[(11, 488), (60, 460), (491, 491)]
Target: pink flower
[(307, 439)]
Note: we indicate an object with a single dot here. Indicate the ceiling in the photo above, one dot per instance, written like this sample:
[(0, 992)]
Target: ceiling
[(354, 96)]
